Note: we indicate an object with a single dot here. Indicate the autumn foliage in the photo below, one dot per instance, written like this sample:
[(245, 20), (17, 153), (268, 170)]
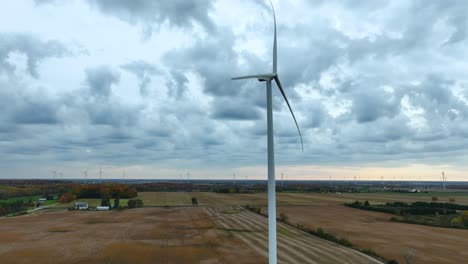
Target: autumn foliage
[(67, 197), (104, 191)]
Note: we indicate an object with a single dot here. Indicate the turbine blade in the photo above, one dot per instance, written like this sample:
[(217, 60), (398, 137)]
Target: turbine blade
[(267, 76), (280, 87), (274, 40)]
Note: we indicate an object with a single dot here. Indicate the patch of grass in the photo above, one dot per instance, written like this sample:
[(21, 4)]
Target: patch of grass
[(22, 198), (97, 221), (285, 232), (17, 214)]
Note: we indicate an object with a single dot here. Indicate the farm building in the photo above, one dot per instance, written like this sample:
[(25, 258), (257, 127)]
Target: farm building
[(81, 205), (103, 208)]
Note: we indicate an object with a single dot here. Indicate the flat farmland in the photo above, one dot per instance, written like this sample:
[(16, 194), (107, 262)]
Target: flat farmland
[(224, 199), (374, 230), (294, 247), (144, 235), (159, 235)]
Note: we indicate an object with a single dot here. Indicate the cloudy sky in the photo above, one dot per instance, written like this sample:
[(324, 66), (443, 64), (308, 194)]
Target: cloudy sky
[(379, 89)]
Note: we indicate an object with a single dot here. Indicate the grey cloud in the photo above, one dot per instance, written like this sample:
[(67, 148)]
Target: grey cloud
[(315, 113), (100, 80), (176, 83), (180, 13), (232, 110), (405, 53), (144, 71), (371, 104), (32, 46), (38, 112)]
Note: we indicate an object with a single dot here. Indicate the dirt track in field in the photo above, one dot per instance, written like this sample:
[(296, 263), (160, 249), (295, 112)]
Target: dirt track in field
[(159, 235)]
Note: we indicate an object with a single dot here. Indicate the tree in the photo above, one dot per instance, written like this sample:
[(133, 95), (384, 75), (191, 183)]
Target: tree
[(461, 220), (366, 203), (283, 217), (105, 201), (67, 197), (131, 203), (134, 203), (194, 201), (139, 203)]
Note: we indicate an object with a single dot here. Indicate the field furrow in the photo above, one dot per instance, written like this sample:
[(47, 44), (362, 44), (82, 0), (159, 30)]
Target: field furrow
[(293, 246), (320, 246)]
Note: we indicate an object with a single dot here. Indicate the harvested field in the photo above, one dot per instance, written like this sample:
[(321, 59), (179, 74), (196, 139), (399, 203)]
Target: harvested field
[(146, 235), (373, 230), (294, 247), (225, 199), (159, 235)]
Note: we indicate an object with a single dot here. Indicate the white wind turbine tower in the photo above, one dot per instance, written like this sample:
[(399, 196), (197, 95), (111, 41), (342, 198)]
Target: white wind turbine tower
[(55, 173), (282, 179), (443, 179), (85, 173), (268, 77), (100, 174)]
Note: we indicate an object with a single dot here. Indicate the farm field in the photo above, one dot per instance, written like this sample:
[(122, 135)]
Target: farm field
[(374, 230), (366, 229), (223, 199), (159, 235), (90, 201), (294, 246), (149, 235)]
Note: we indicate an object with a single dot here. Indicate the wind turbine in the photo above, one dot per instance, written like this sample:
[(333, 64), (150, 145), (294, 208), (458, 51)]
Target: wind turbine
[(85, 174), (55, 173), (443, 179), (282, 180), (100, 174), (268, 77)]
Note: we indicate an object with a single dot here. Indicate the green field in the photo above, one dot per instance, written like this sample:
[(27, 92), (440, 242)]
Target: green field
[(283, 199), (26, 198), (210, 198), (91, 202)]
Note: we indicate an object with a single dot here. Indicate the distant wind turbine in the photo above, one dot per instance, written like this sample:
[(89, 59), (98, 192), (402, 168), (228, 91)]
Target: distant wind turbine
[(282, 179), (85, 173), (268, 77), (55, 173), (100, 174), (443, 179)]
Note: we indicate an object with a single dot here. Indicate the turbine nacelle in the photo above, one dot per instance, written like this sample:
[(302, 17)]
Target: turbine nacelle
[(268, 77)]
